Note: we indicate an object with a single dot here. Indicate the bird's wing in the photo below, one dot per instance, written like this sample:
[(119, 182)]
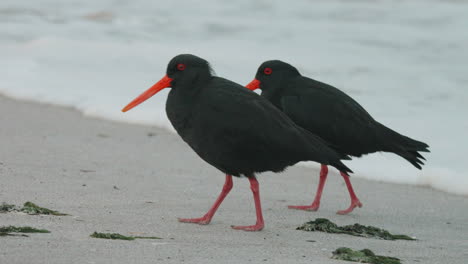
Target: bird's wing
[(329, 113), (254, 125)]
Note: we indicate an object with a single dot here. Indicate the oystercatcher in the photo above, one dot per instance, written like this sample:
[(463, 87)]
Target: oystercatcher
[(335, 117), (233, 129)]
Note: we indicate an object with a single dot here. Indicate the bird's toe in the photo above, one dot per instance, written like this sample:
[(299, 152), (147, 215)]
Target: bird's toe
[(312, 207), (353, 205), (256, 227), (200, 221)]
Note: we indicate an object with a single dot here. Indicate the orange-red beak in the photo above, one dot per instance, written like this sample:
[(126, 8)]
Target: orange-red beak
[(163, 83), (255, 84)]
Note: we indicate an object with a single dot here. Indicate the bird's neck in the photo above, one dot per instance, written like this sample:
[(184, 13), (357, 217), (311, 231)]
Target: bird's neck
[(273, 96)]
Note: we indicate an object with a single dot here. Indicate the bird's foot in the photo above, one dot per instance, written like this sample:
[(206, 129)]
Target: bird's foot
[(201, 221), (313, 207), (256, 227), (354, 204)]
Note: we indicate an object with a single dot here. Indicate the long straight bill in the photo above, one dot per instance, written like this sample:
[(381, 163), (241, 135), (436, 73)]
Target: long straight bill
[(163, 83)]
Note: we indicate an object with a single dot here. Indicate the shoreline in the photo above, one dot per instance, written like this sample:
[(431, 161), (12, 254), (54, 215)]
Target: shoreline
[(128, 178), (307, 165)]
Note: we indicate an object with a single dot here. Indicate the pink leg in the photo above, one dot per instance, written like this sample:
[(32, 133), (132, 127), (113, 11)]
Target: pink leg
[(354, 200), (316, 203), (206, 219), (258, 208)]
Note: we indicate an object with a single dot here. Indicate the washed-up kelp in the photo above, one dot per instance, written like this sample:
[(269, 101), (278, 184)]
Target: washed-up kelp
[(119, 236), (363, 256), (5, 208), (29, 208), (325, 225), (8, 230)]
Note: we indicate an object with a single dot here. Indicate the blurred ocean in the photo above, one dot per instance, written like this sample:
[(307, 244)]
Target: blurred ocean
[(404, 61)]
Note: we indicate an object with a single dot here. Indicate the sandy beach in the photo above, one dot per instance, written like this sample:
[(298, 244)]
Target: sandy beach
[(132, 179)]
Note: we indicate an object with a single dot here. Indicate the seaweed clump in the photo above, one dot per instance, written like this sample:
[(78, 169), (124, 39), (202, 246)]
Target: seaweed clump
[(29, 208), (119, 236), (8, 230), (325, 225), (33, 209), (363, 256), (5, 208)]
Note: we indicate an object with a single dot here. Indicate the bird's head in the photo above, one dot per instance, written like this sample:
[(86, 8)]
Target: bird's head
[(272, 75), (183, 72)]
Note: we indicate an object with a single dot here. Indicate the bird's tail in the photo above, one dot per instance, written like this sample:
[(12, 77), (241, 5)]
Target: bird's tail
[(404, 146), (327, 152), (341, 167), (337, 163)]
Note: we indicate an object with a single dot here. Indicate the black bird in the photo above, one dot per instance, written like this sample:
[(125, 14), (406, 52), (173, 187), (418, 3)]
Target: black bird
[(335, 117), (233, 129)]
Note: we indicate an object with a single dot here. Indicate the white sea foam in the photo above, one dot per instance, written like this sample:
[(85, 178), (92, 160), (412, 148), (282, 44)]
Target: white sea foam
[(404, 61)]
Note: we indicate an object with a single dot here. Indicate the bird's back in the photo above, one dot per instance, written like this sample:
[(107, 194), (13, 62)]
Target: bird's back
[(339, 119), (239, 132), (331, 114)]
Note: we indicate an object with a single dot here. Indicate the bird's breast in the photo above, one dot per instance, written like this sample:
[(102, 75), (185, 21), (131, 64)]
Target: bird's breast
[(178, 112)]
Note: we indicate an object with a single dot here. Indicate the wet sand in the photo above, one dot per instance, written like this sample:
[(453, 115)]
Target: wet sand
[(132, 179)]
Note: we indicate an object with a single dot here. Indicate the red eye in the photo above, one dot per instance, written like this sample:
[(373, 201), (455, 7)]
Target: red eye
[(181, 66), (267, 71)]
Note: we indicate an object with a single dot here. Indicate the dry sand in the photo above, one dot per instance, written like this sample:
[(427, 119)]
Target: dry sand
[(57, 158)]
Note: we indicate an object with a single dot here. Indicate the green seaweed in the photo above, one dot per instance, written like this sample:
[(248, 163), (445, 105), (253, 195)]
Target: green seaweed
[(325, 225), (7, 230), (111, 236), (33, 209), (5, 208), (363, 256), (29, 208), (119, 236), (143, 237)]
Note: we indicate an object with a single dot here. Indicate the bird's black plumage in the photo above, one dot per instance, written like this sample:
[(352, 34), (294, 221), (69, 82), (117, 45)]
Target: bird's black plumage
[(234, 129), (333, 115)]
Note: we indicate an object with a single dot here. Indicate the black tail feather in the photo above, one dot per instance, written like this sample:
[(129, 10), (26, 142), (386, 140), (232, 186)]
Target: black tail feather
[(403, 146), (419, 155), (341, 167), (412, 155), (326, 154)]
